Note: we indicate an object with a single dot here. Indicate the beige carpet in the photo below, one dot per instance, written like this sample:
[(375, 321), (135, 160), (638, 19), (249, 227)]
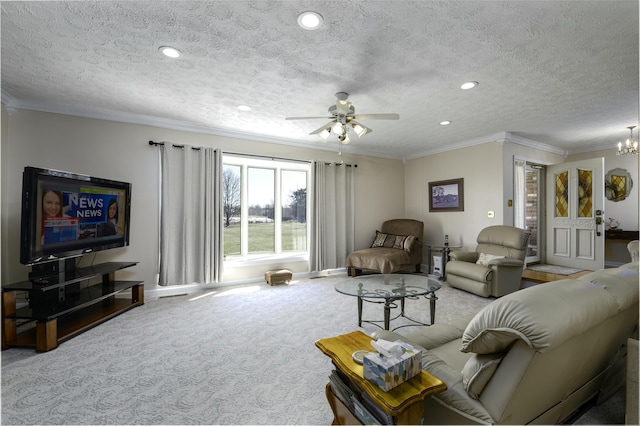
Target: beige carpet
[(241, 355), (232, 356)]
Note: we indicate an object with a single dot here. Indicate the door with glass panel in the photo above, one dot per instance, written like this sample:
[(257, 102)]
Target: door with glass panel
[(575, 207), (529, 194)]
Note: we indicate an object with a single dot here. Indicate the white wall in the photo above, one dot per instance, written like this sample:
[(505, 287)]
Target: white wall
[(121, 151), (481, 168)]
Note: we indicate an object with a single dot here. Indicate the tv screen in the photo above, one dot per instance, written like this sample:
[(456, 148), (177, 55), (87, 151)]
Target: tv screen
[(66, 214)]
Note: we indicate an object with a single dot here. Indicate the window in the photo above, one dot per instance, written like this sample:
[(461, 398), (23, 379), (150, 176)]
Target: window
[(265, 206), (527, 204)]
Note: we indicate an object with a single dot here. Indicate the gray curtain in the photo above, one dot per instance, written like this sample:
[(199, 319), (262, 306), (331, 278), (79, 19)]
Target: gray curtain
[(333, 215), (191, 241)]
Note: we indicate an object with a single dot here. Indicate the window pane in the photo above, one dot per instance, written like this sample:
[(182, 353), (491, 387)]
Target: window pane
[(231, 204), (294, 210), (532, 210), (261, 193)]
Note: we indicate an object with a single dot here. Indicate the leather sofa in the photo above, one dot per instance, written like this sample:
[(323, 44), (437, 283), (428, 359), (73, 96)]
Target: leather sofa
[(532, 356)]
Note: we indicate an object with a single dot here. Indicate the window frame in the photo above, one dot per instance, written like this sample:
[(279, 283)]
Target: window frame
[(278, 165)]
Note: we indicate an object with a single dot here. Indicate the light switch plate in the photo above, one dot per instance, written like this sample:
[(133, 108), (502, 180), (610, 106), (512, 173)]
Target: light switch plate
[(491, 213)]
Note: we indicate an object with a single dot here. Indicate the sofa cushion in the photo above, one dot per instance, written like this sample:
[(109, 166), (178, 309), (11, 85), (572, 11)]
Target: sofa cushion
[(485, 258), (621, 283), (385, 260), (539, 316), (401, 242), (379, 240), (478, 371), (455, 396)]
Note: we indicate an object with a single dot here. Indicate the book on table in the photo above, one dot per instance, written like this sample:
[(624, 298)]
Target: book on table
[(357, 400)]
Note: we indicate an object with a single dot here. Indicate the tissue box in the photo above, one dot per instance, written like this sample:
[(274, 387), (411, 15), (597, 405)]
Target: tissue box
[(389, 372)]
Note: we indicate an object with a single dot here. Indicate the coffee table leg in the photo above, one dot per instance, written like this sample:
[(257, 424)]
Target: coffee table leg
[(387, 313), (359, 311), (432, 307)]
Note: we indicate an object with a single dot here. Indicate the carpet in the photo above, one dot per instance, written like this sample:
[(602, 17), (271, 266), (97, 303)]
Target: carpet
[(234, 355), (554, 269)]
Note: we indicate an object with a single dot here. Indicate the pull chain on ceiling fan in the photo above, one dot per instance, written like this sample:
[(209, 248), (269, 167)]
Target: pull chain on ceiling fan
[(343, 121)]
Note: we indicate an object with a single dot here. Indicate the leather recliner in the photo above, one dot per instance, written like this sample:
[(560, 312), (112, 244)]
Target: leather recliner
[(495, 267)]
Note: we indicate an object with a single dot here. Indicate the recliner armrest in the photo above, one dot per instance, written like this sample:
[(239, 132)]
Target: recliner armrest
[(464, 256), (507, 261)]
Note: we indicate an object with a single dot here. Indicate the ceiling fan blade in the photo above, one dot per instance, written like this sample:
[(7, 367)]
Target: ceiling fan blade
[(377, 116), (326, 126), (306, 118)]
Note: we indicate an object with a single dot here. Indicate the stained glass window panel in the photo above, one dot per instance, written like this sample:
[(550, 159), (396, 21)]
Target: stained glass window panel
[(562, 194), (585, 193)]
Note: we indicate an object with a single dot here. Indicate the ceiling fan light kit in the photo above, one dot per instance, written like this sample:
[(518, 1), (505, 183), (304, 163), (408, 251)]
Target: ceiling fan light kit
[(343, 122)]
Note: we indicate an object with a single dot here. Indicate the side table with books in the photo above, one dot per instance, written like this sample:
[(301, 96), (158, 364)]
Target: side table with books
[(356, 400)]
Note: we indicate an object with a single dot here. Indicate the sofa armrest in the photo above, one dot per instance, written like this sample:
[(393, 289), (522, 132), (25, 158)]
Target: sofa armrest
[(391, 336), (464, 256)]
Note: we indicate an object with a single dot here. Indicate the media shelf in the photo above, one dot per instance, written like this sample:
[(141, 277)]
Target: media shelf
[(63, 307)]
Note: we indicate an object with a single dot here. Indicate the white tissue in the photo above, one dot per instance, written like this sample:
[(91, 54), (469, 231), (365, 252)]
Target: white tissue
[(387, 348)]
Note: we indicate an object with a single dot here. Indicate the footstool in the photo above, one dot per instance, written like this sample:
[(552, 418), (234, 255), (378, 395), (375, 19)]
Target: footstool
[(275, 277)]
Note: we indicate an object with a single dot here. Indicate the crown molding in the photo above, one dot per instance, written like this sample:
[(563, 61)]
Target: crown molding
[(509, 137), (12, 104), (500, 138)]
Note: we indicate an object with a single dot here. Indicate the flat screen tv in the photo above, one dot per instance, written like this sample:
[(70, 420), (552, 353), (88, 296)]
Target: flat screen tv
[(67, 214)]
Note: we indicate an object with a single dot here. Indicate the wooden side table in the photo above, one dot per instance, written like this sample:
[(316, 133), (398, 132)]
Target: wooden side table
[(404, 402)]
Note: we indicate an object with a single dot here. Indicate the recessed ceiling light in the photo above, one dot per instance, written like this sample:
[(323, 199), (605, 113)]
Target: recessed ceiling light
[(445, 123), (170, 51), (244, 107), (310, 20), (469, 85)]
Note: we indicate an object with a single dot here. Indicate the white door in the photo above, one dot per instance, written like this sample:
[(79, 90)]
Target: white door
[(575, 208)]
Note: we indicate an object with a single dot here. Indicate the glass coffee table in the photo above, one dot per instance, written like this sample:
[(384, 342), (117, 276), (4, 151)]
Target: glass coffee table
[(388, 289)]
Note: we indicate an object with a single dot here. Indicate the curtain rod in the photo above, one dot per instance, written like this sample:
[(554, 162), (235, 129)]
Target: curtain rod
[(195, 148), (253, 155), (283, 159)]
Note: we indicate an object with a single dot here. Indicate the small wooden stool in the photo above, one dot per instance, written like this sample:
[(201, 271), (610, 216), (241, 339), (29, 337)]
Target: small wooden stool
[(275, 277)]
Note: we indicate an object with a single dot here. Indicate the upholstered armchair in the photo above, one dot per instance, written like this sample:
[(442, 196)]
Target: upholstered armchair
[(495, 267), (397, 245)]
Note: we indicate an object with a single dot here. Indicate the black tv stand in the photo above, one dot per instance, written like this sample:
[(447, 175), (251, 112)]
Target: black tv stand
[(65, 305), (50, 272)]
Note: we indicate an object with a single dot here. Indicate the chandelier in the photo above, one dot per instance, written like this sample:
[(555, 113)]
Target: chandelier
[(631, 146)]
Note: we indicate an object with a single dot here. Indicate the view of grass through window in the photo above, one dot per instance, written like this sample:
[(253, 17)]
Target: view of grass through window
[(252, 223)]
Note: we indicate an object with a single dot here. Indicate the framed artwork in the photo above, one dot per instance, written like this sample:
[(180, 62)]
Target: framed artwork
[(446, 196)]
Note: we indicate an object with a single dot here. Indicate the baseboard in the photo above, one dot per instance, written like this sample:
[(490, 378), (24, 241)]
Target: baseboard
[(186, 289)]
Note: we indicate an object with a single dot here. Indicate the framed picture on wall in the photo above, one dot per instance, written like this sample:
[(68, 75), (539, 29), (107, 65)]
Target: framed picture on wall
[(446, 196)]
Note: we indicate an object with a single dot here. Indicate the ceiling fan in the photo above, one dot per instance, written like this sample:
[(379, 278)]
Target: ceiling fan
[(343, 122)]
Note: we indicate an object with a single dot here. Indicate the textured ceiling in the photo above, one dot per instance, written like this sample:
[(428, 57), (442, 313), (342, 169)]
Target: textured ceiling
[(560, 73)]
